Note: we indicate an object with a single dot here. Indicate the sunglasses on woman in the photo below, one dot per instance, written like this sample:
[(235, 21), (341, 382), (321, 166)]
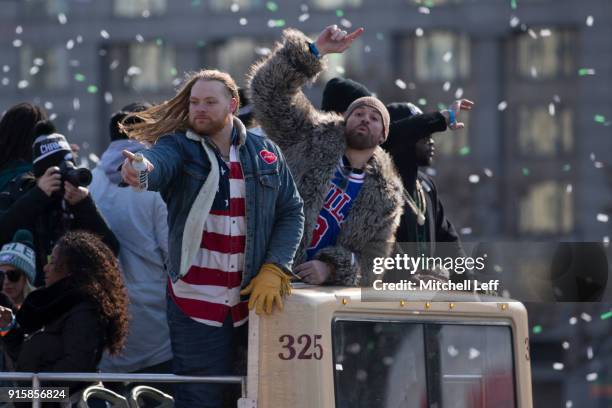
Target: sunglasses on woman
[(12, 275)]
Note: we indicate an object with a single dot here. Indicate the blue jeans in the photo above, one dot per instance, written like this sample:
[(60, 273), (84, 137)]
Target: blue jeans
[(199, 349)]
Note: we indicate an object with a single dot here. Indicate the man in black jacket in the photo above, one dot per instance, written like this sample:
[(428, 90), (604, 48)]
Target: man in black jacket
[(44, 204)]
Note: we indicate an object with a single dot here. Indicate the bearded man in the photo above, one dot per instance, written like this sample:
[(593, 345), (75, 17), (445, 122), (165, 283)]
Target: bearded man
[(352, 193)]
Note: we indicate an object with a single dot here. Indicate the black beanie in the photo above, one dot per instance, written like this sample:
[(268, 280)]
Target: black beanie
[(402, 110), (339, 93), (115, 132), (49, 148)]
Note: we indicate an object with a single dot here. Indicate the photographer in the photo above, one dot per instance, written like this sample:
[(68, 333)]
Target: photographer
[(52, 199)]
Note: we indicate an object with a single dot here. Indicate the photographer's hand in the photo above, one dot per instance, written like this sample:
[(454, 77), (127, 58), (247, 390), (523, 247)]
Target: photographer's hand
[(74, 195), (51, 181)]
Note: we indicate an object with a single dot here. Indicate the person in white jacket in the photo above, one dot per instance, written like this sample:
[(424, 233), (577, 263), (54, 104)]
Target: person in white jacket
[(139, 220)]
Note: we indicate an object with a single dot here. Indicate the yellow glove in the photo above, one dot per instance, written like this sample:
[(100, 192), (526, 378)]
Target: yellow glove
[(269, 286)]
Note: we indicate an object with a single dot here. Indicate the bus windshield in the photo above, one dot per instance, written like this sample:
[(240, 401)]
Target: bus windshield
[(395, 364)]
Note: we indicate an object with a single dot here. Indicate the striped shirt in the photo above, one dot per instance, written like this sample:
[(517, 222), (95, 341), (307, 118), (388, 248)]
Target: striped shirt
[(211, 288)]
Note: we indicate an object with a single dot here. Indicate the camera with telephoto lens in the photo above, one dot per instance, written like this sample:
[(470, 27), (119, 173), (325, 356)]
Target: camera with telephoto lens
[(78, 177)]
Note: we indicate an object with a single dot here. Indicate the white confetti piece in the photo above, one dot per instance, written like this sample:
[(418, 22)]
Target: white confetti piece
[(606, 240), (303, 17), (134, 70), (61, 17), (235, 7), (367, 49), (243, 21), (545, 32), (488, 172), (598, 164), (586, 317), (39, 62), (473, 353), (448, 55), (71, 124), (458, 93), (602, 217), (532, 34), (573, 320), (34, 70), (534, 72), (53, 116), (418, 32), (304, 8), (400, 84), (108, 97), (6, 68), (93, 158), (76, 104), (551, 109), (139, 38), (569, 188), (146, 14), (17, 43), (340, 70), (502, 106), (569, 404), (589, 21), (465, 231), (452, 351), (592, 156), (591, 377), (79, 39), (18, 29), (474, 178), (565, 345), (262, 51), (446, 87), (556, 98), (339, 367), (22, 84), (5, 81), (104, 34), (558, 366), (48, 105), (590, 353), (113, 65), (424, 10), (70, 44), (514, 21), (346, 23), (388, 361)]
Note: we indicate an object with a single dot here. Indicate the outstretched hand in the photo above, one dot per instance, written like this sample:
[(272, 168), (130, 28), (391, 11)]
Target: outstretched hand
[(335, 40), (456, 107)]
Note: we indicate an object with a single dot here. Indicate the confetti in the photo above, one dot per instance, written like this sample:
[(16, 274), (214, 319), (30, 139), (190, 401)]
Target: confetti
[(340, 70), (602, 217), (71, 124), (446, 87), (53, 116), (6, 68), (139, 38), (565, 345), (39, 62), (567, 167), (513, 4), (464, 151), (606, 241), (48, 105), (558, 366), (474, 178), (304, 8), (473, 353), (108, 97), (458, 93), (79, 39), (569, 188), (556, 98), (448, 55), (600, 118), (76, 104), (532, 34), (339, 367), (589, 21), (586, 71), (243, 21), (545, 32), (422, 101), (514, 21), (303, 17), (452, 351), (146, 14), (591, 377), (5, 81), (272, 6), (262, 51), (418, 32), (113, 65), (380, 36), (276, 23), (537, 329), (104, 34), (17, 43), (424, 10), (367, 49), (134, 70), (235, 7), (346, 23), (400, 84), (388, 361), (465, 231), (606, 315), (70, 44), (173, 71), (339, 13), (361, 375), (34, 70), (573, 320), (502, 106), (569, 404), (159, 42), (525, 171), (586, 317), (92, 89), (534, 72), (488, 172), (79, 77), (18, 29), (551, 109), (61, 17)]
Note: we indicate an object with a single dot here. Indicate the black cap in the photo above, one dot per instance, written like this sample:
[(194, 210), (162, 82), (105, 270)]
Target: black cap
[(339, 93)]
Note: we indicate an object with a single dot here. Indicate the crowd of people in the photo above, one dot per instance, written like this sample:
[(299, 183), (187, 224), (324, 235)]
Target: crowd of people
[(241, 201)]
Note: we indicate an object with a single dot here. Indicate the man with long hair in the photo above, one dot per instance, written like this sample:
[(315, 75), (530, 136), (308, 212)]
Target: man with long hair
[(235, 221), (352, 193)]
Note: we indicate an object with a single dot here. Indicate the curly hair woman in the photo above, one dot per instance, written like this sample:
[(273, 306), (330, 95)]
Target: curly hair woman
[(81, 311)]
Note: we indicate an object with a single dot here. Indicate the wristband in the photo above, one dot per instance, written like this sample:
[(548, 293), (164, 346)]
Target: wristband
[(314, 50), (10, 326), (451, 115)]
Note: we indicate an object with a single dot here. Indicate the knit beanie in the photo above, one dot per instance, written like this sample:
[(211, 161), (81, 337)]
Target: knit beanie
[(339, 93), (49, 148), (373, 103), (20, 254)]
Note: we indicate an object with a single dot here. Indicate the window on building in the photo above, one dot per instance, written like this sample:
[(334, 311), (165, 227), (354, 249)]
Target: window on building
[(334, 4), (45, 68), (546, 208), (542, 134), (545, 53), (139, 8), (142, 66), (439, 56), (235, 5)]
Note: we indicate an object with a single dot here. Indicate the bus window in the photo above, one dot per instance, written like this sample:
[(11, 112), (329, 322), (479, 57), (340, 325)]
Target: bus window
[(470, 366), (379, 364)]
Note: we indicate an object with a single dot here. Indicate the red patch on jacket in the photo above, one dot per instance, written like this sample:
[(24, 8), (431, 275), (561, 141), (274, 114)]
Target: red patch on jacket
[(268, 156)]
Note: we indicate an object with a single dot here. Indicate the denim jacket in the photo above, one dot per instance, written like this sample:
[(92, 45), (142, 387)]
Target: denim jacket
[(186, 175)]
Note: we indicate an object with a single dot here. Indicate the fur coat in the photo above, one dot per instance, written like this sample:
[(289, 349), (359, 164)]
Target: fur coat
[(313, 143)]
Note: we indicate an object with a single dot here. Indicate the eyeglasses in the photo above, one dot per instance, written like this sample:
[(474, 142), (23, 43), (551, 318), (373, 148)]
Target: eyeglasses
[(12, 275)]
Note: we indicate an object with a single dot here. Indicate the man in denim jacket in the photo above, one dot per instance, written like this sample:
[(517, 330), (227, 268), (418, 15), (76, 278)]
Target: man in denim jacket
[(235, 221)]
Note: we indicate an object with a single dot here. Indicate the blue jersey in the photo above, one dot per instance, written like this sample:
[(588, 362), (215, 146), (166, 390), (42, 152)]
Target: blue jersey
[(343, 190)]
